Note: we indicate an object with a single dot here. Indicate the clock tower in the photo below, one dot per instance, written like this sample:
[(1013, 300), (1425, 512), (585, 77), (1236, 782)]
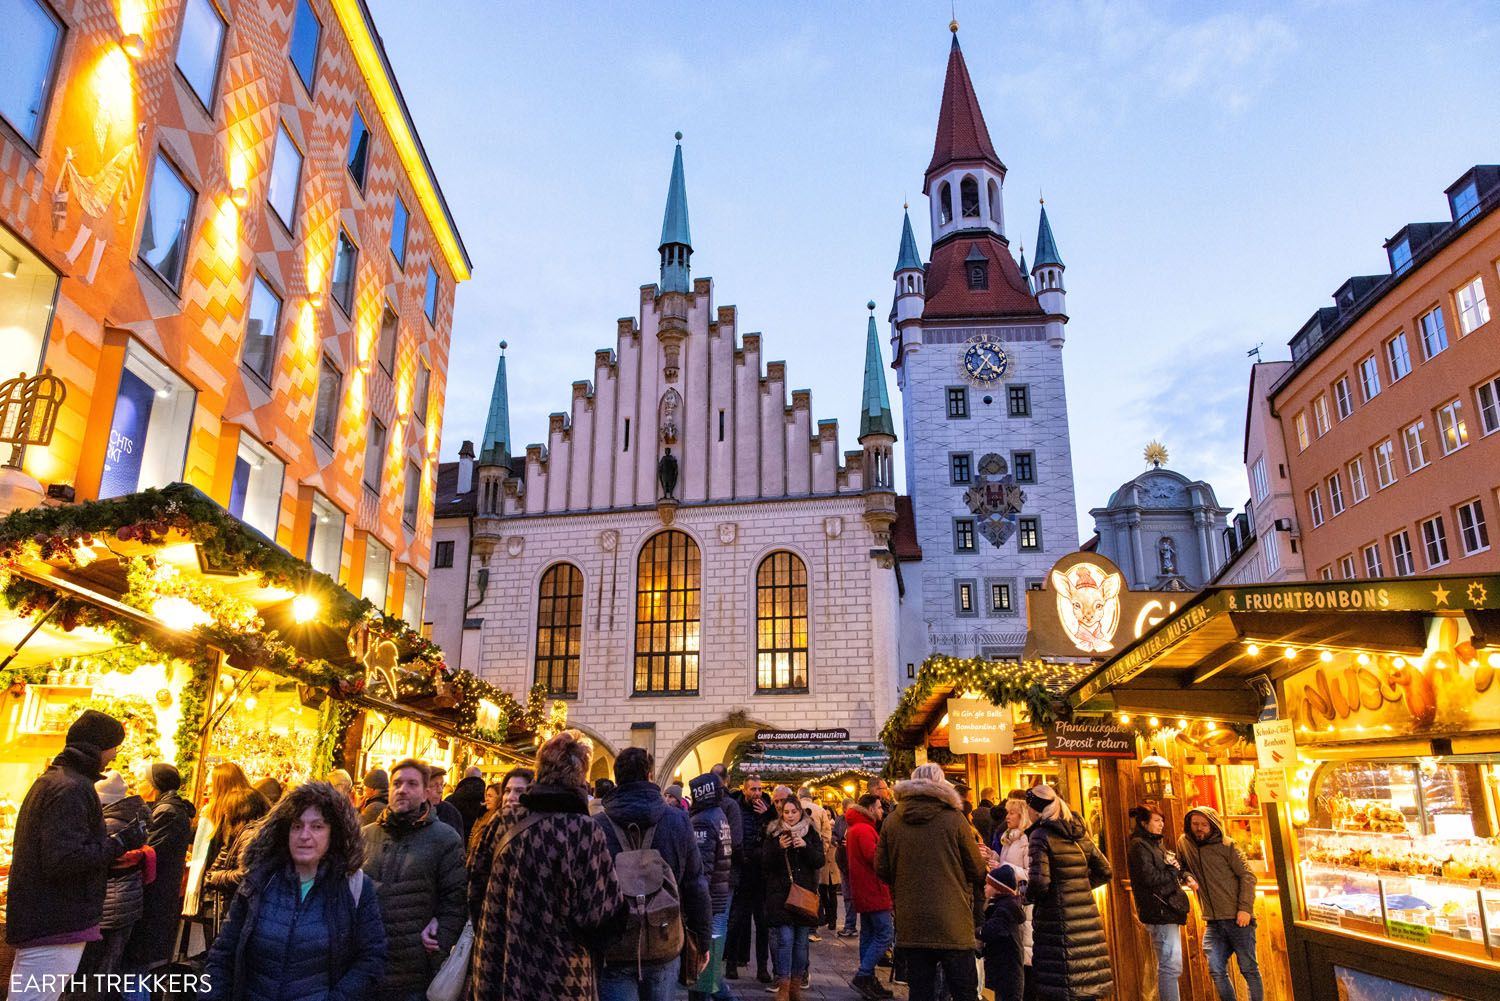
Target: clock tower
[(977, 347)]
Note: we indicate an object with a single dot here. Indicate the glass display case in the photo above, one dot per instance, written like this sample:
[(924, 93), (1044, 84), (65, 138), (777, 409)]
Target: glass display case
[(1406, 851)]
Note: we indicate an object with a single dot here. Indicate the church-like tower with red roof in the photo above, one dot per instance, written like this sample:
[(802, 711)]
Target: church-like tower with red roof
[(977, 344)]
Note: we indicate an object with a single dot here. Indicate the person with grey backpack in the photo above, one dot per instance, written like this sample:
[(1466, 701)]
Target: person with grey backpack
[(661, 876)]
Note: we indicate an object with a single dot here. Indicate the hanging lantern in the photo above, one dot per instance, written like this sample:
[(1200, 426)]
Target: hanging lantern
[(1156, 777)]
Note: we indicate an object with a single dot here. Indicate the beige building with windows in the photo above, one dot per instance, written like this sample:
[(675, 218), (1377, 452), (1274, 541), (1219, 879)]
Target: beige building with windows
[(689, 557), (1389, 412)]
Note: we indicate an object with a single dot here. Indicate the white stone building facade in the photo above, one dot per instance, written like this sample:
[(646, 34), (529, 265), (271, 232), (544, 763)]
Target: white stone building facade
[(689, 556)]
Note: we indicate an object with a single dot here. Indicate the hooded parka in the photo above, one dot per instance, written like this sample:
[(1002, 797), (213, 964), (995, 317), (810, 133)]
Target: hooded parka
[(1069, 956), (928, 855), (868, 891), (170, 832), (1225, 884)]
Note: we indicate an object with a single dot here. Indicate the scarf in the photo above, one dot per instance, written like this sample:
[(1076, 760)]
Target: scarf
[(402, 822), (798, 830)]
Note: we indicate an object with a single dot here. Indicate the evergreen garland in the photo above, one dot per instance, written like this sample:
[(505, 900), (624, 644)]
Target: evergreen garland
[(193, 699)]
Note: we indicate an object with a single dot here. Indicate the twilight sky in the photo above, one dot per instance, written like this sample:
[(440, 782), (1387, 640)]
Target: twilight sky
[(1212, 172)]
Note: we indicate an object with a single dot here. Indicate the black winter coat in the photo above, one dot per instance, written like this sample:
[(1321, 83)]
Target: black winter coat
[(1000, 946), (278, 946), (640, 804), (1069, 956), (225, 873), (804, 864), (418, 869), (752, 832), (716, 848), (468, 798), (1156, 883), (62, 854), (124, 892), (170, 832)]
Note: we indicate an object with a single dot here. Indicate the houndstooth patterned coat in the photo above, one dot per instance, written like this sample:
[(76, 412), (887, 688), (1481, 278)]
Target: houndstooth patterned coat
[(544, 903)]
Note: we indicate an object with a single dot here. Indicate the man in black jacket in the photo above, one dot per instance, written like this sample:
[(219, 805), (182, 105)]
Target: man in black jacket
[(636, 806), (61, 861), (417, 863), (755, 814)]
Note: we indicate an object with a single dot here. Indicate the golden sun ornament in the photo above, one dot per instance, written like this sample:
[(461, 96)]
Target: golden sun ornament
[(1156, 454)]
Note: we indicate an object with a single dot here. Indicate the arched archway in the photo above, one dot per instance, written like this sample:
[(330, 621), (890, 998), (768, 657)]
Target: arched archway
[(705, 747)]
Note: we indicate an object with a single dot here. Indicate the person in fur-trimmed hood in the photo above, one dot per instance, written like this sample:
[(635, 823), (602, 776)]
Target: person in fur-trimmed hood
[(1226, 889), (930, 857)]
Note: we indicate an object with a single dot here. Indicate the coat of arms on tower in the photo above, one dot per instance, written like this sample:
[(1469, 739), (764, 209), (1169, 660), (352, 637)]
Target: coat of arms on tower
[(995, 499)]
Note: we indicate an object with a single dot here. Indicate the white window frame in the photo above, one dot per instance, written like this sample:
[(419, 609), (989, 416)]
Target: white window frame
[(1299, 424), (1347, 567), (1453, 430), (1434, 541), (1315, 507), (1325, 572), (1259, 482), (1398, 357), (1369, 378), (1320, 415), (1402, 556), (1343, 398), (1385, 464), (1473, 308), (1272, 549), (1433, 333), (1473, 531), (1358, 488), (1487, 397), (1413, 445), (1335, 495), (1374, 563)]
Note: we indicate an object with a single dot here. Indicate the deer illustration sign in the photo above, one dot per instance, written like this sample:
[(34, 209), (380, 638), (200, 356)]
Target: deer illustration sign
[(1088, 603)]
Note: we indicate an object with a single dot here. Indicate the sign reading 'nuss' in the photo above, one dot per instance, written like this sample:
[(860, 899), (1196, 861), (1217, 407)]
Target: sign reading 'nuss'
[(1089, 739), (800, 736)]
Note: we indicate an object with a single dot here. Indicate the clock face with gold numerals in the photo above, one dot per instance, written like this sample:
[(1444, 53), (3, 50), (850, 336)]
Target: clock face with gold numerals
[(985, 361)]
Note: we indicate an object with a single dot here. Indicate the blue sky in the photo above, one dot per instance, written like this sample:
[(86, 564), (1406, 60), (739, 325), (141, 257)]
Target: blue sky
[(1212, 172)]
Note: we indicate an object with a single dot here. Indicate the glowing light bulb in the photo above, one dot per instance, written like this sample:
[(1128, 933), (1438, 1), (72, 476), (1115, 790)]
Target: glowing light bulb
[(1154, 721), (1326, 656), (1398, 661), (1212, 726), (1182, 724), (305, 608), (1290, 653), (1253, 650), (1363, 660), (1124, 719), (250, 703)]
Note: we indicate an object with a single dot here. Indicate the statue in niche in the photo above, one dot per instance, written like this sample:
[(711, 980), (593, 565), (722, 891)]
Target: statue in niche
[(1166, 555), (666, 474), (671, 403)]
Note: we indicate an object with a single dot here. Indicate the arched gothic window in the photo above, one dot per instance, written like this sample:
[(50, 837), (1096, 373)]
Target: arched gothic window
[(559, 630), (781, 624), (994, 202), (668, 610), (945, 203), (968, 192)]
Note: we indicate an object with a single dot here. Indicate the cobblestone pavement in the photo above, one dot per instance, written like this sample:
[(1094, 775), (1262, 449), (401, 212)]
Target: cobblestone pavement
[(832, 965)]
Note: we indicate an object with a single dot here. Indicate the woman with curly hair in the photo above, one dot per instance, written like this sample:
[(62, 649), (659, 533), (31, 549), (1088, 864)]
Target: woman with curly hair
[(306, 920), (547, 866)]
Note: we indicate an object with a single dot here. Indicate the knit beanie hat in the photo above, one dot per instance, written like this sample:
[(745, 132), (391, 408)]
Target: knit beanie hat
[(111, 788), (164, 777), (96, 730), (1005, 875), (376, 780)]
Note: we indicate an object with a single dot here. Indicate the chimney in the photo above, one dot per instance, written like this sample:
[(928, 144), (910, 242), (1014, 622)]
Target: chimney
[(465, 468)]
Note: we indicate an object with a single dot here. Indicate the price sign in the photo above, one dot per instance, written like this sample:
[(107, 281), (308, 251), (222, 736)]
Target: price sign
[(1270, 785), (1274, 743), (1406, 931)]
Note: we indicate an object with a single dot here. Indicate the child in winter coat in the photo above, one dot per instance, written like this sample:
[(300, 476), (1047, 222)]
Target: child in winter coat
[(1000, 935)]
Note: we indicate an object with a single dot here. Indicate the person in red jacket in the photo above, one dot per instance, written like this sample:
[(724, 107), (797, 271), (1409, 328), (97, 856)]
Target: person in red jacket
[(872, 897)]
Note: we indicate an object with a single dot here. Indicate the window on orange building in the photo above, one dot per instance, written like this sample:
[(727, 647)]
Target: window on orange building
[(33, 44), (200, 47)]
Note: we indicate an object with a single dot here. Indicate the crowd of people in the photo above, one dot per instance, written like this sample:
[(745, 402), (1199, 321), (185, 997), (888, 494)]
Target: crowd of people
[(542, 886)]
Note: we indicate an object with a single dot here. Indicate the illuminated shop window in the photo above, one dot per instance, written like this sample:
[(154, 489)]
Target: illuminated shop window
[(148, 434), (377, 576), (255, 490)]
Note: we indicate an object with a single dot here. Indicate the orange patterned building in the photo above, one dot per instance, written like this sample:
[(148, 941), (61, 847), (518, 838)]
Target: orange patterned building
[(219, 229)]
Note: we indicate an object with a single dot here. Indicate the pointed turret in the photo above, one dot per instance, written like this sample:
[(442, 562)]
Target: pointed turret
[(676, 242), (875, 405), (1024, 272), (1047, 275), (1046, 246), (962, 135), (909, 258), (494, 448)]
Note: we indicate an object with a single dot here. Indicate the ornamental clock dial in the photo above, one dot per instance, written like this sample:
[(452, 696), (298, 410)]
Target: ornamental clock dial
[(985, 361)]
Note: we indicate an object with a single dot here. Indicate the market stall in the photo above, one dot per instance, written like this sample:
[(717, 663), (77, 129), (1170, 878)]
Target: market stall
[(211, 643), (1377, 767)]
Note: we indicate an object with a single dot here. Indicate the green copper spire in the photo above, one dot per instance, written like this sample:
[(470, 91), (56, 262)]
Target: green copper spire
[(494, 448), (676, 242), (1046, 246), (875, 411), (909, 256)]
